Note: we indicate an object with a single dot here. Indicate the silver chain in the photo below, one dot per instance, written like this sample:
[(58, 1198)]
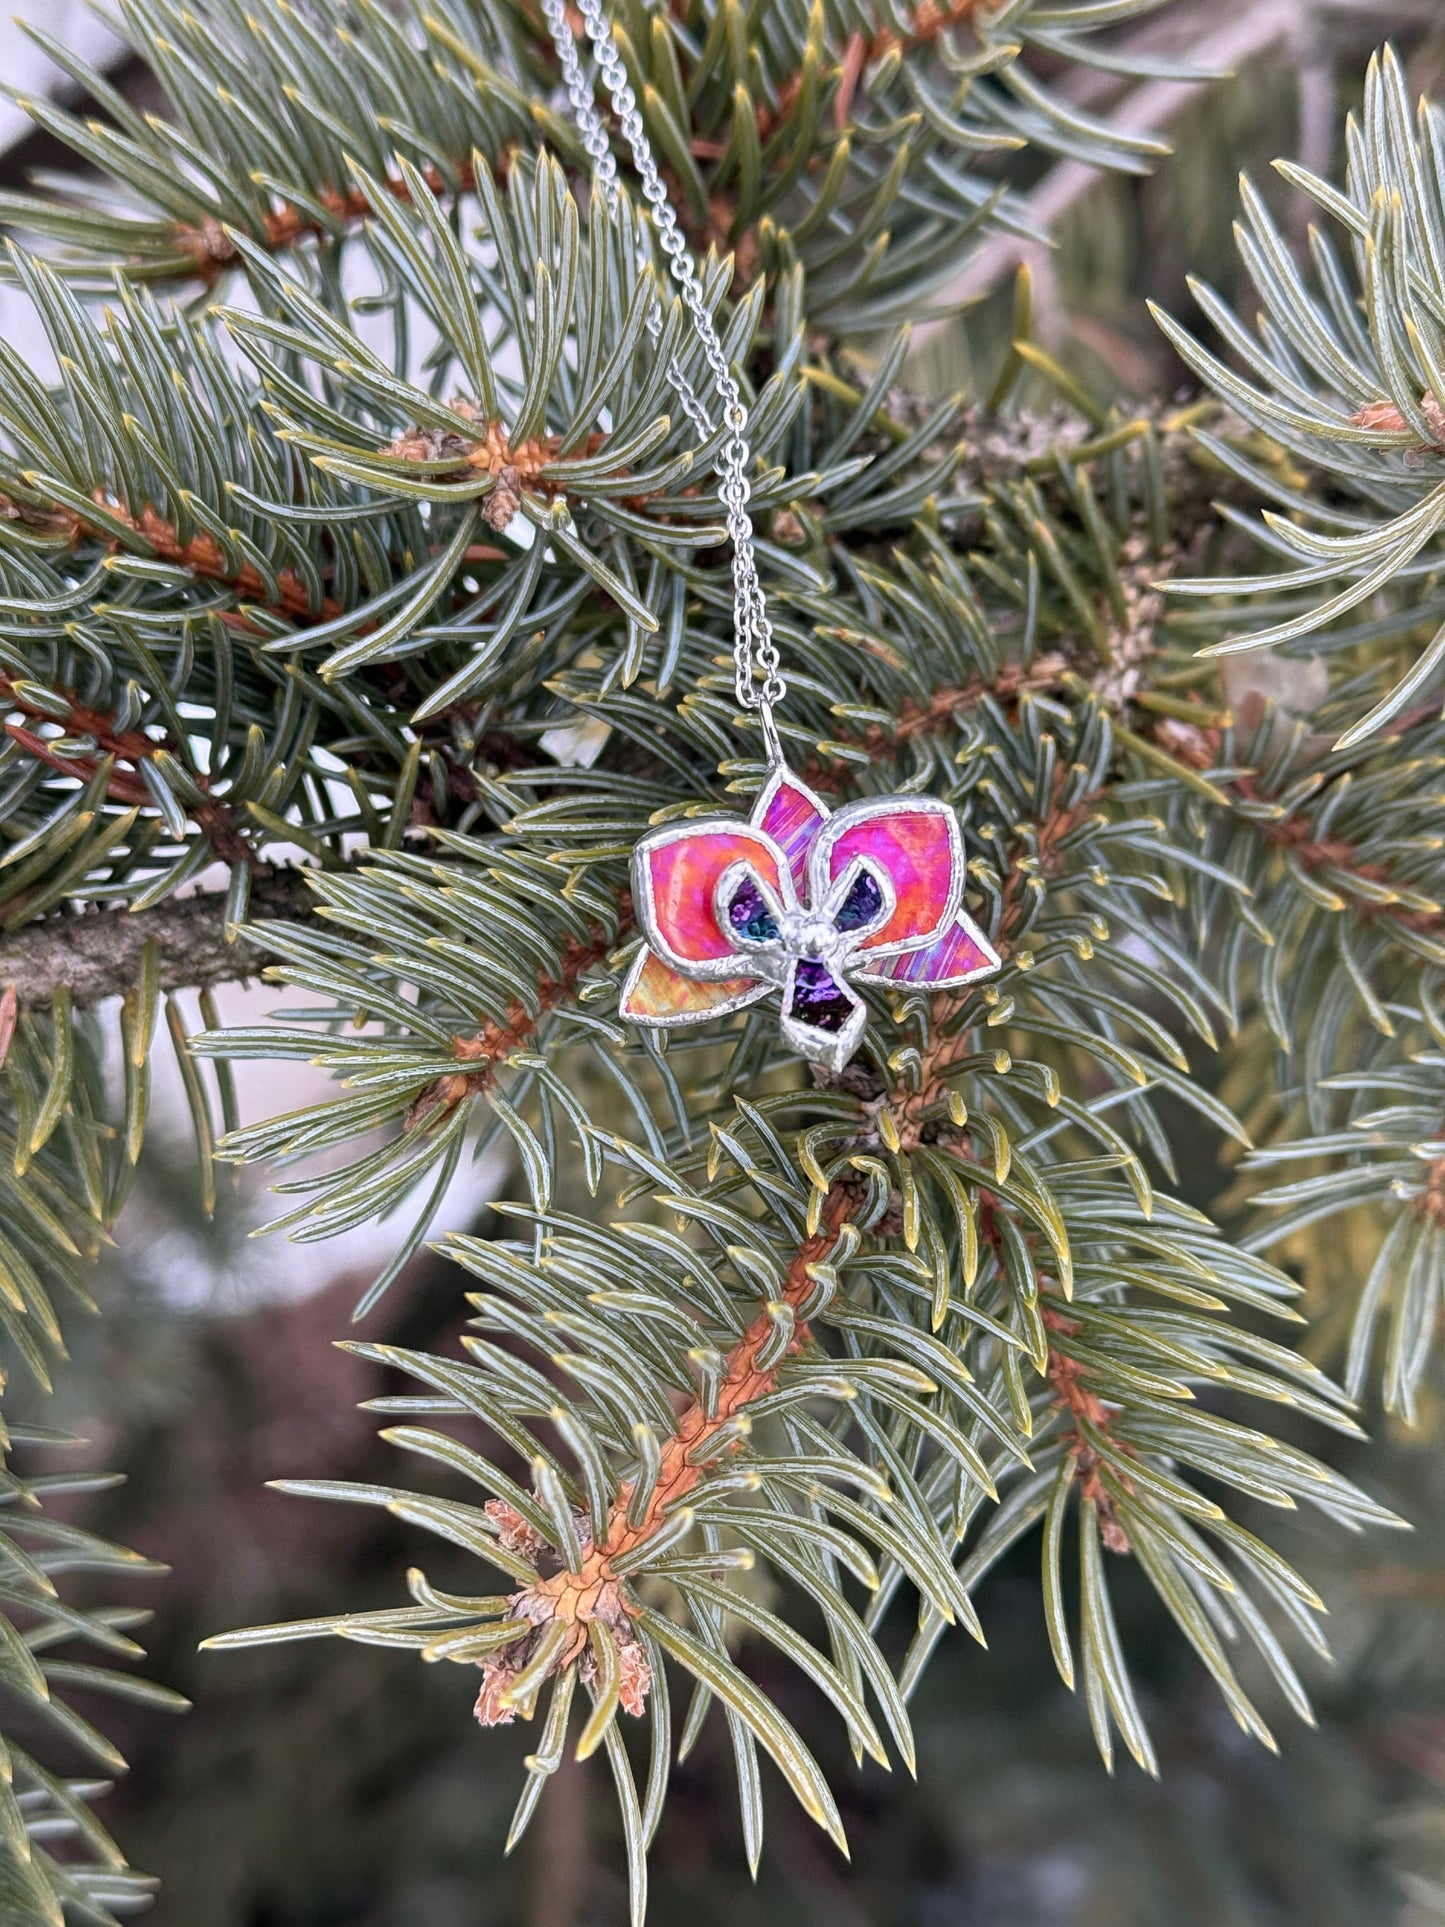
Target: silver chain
[(760, 684)]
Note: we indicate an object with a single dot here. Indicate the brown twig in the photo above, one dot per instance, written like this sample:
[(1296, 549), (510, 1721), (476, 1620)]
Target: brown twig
[(939, 713), (201, 554), (128, 749), (911, 1108), (1338, 858), (928, 20), (99, 953), (1081, 1408), (212, 249), (480, 1056)]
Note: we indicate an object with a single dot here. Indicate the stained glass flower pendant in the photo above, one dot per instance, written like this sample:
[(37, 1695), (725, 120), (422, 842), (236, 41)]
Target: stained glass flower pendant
[(805, 902)]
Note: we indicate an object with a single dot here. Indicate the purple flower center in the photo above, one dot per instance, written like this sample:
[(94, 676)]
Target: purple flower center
[(750, 916), (862, 903), (817, 1000)]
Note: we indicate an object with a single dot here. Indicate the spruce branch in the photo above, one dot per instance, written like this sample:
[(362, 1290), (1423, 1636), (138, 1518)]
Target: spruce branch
[(57, 1859), (938, 713), (63, 1175), (821, 101), (1204, 49), (705, 1435), (1368, 888), (446, 82), (1374, 1143), (1346, 383), (485, 448), (334, 212), (914, 1106)]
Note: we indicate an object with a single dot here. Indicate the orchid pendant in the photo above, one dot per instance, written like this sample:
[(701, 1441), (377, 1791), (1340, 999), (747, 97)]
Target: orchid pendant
[(805, 902)]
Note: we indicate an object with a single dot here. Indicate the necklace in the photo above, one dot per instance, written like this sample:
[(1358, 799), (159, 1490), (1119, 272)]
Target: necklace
[(795, 899)]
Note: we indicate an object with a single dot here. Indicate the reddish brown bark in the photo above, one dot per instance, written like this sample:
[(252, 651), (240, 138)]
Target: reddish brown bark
[(201, 555), (939, 713), (129, 748), (479, 1057), (1083, 1407), (213, 249)]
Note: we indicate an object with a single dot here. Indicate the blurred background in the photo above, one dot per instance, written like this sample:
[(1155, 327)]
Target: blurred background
[(332, 1786)]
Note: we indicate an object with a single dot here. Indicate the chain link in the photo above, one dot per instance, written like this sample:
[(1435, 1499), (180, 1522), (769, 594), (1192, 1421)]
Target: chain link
[(758, 678)]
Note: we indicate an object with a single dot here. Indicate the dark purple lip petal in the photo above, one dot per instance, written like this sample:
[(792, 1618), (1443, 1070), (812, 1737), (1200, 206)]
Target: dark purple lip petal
[(862, 904), (817, 999), (750, 916)]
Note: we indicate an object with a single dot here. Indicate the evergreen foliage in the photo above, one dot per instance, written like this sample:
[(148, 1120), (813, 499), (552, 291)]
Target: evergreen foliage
[(355, 565), (1345, 375)]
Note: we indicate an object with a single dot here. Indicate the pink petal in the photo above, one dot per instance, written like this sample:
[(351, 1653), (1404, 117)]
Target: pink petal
[(655, 993), (960, 955), (792, 816), (678, 871), (917, 845)]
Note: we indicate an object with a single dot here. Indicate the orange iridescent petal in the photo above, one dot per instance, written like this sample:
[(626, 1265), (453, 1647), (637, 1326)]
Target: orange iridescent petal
[(658, 994)]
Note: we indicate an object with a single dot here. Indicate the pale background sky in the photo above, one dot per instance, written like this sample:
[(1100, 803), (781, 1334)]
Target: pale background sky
[(26, 70)]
